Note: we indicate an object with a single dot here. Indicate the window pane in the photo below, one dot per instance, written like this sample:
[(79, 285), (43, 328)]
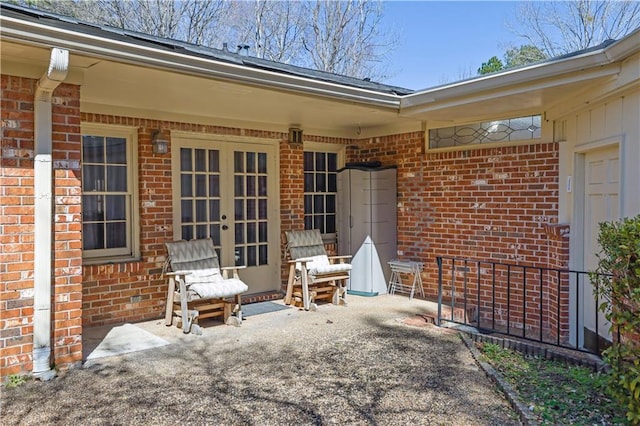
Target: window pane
[(251, 162), (308, 222), (92, 149), (262, 209), (92, 208), (238, 162), (331, 224), (239, 256), (308, 162), (214, 185), (318, 223), (201, 210), (201, 185), (201, 160), (214, 210), (92, 236), (116, 179), (262, 256), (262, 186), (262, 232), (187, 232), (321, 182), (116, 207), (308, 182), (332, 160), (318, 203), (251, 256), (251, 186), (214, 160), (239, 209), (331, 204), (238, 185), (185, 160), (116, 151), (262, 162), (308, 204), (332, 185), (186, 208), (251, 209), (93, 178), (116, 235), (215, 234), (239, 233), (251, 233), (320, 161), (186, 187), (201, 231)]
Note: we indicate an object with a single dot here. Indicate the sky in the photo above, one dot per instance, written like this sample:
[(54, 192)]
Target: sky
[(445, 41)]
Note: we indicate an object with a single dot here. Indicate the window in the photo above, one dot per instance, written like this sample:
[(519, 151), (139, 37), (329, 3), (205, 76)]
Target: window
[(108, 194), (320, 187), (508, 130)]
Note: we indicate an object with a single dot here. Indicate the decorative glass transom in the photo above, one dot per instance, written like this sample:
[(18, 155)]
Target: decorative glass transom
[(508, 130)]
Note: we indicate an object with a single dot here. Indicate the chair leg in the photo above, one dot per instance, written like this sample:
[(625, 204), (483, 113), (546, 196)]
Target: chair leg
[(305, 290), (292, 278), (168, 317)]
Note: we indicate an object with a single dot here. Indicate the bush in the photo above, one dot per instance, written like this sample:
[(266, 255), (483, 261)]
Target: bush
[(617, 280)]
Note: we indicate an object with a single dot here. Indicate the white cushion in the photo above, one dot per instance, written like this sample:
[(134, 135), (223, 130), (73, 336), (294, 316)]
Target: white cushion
[(222, 288), (330, 269), (210, 275), (320, 265)]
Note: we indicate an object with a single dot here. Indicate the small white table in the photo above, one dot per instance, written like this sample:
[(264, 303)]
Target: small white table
[(405, 267)]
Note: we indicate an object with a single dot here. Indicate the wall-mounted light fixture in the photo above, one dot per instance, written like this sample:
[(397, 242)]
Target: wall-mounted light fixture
[(295, 136), (159, 144)]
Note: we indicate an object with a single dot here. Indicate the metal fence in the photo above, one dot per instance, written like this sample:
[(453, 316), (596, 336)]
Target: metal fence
[(546, 305)]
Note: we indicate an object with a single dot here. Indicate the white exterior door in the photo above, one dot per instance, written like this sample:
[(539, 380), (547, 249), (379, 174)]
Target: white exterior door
[(602, 175), (227, 191)]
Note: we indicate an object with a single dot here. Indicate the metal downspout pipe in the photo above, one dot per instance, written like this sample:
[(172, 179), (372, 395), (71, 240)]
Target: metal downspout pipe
[(43, 212)]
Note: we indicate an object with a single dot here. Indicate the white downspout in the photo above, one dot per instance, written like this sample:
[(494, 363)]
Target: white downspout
[(43, 220)]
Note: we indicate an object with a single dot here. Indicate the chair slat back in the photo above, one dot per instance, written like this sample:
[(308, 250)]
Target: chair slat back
[(192, 255), (305, 243)]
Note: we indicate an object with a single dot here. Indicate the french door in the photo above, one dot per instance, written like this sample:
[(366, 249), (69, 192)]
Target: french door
[(227, 191)]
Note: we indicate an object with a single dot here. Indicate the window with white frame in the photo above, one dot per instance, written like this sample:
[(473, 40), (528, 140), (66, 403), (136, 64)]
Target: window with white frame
[(320, 188), (487, 132), (108, 194)]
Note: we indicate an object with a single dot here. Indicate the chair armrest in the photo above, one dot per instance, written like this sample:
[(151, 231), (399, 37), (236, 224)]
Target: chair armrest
[(173, 274), (231, 268), (340, 259)]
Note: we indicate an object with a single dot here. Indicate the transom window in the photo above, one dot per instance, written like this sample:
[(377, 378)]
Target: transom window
[(107, 196), (320, 187), (495, 131)]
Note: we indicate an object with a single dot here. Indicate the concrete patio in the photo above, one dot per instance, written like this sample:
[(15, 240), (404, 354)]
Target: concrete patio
[(373, 362)]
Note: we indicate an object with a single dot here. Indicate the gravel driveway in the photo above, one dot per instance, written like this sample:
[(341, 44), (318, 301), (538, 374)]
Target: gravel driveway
[(359, 364)]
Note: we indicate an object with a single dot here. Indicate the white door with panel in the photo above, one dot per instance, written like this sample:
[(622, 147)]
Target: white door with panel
[(602, 176), (227, 191)]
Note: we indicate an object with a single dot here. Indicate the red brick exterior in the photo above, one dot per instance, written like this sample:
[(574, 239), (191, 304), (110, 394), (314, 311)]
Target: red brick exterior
[(483, 203), (17, 226)]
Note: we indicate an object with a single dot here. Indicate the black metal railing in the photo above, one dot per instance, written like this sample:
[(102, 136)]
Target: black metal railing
[(540, 304)]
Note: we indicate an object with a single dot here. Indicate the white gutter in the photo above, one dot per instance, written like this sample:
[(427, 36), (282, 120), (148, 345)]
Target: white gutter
[(38, 34), (43, 200)]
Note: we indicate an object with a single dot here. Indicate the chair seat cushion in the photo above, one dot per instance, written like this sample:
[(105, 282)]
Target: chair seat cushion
[(320, 265), (207, 275), (219, 288)]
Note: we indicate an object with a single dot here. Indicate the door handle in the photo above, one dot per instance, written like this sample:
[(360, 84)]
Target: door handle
[(225, 227), (224, 217)]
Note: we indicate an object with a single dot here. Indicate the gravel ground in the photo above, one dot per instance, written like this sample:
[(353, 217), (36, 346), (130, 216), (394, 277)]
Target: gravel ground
[(359, 364)]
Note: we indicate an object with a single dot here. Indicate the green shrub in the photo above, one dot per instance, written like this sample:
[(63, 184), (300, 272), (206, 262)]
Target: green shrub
[(617, 280)]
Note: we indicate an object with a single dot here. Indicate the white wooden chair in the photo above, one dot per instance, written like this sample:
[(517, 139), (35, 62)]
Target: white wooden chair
[(312, 274), (199, 287)]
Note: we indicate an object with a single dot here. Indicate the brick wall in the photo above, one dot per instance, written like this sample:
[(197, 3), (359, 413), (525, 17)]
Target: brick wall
[(17, 226), (484, 203)]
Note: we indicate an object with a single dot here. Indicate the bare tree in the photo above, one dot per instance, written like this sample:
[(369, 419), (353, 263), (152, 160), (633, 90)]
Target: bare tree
[(346, 37), (343, 37), (567, 26)]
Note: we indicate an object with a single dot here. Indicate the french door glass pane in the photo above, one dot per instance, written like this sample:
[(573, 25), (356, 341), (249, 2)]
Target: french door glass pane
[(201, 160), (185, 160), (186, 185), (201, 185)]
